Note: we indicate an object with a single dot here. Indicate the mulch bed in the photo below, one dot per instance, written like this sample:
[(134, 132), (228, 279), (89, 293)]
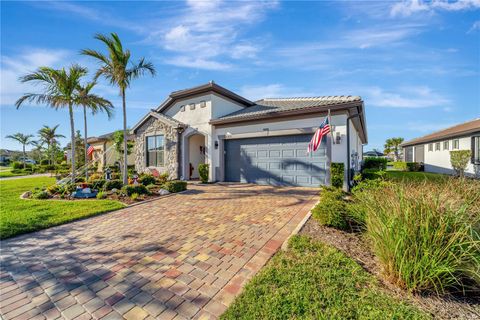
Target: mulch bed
[(356, 247)]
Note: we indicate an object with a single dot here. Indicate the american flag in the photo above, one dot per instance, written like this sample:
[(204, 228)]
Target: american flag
[(90, 150), (323, 130)]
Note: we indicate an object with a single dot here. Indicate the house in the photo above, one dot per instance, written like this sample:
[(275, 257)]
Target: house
[(105, 154), (262, 142), (434, 149), (374, 154)]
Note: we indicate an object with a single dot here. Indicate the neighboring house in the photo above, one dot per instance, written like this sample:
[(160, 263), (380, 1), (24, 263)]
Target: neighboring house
[(434, 149), (261, 142), (374, 154), (105, 153), (5, 156)]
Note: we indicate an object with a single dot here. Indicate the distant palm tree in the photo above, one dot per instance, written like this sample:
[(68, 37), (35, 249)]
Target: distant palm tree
[(95, 104), (119, 71), (23, 139), (38, 149), (393, 145), (60, 90), (49, 136)]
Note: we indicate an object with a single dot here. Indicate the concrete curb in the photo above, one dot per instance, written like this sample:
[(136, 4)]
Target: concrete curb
[(298, 227)]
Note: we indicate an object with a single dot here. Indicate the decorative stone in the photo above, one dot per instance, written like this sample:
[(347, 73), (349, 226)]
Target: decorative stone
[(163, 192), (151, 127)]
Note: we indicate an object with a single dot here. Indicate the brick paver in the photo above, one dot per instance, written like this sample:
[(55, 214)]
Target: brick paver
[(184, 256)]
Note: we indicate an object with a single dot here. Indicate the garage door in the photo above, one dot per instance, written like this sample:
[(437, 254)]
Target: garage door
[(281, 160)]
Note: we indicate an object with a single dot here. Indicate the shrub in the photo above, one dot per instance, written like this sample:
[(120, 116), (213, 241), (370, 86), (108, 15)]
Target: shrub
[(161, 179), (42, 194), (203, 172), (459, 160), (372, 174), (98, 184), (400, 165), (113, 184), (372, 184), (95, 176), (175, 186), (375, 163), (17, 165), (134, 196), (53, 189), (101, 195), (70, 187), (147, 179), (44, 162), (424, 233), (331, 211), (337, 172), (139, 189), (413, 166), (151, 187)]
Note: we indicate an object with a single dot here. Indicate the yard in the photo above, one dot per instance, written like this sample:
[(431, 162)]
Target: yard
[(315, 281), (22, 216), (6, 172)]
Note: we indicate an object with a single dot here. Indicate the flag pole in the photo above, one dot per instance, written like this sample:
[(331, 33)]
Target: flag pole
[(330, 123)]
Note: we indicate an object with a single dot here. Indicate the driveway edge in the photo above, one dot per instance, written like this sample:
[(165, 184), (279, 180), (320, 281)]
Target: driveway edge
[(298, 227)]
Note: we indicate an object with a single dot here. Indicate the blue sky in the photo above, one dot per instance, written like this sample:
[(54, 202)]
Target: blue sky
[(415, 64)]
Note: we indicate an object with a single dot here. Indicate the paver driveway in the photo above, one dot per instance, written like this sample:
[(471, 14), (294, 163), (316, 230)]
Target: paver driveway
[(183, 256)]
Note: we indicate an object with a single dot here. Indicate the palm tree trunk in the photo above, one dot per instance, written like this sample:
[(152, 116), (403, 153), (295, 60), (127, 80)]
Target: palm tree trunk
[(72, 142), (85, 142), (49, 154), (125, 151), (24, 156)]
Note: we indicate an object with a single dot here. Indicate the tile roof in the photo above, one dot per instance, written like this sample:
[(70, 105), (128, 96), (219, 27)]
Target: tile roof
[(274, 105), (455, 131)]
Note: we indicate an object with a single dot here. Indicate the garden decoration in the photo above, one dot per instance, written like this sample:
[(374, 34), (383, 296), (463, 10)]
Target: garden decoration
[(135, 179), (108, 174), (83, 191)]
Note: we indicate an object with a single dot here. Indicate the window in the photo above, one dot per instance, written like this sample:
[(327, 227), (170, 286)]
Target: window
[(437, 146), (155, 151), (446, 145), (203, 104), (182, 108), (476, 150), (192, 106), (456, 144), (430, 147)]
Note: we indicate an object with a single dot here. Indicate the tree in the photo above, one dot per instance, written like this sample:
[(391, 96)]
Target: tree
[(95, 104), (393, 145), (60, 90), (117, 69), (459, 160), (50, 137), (120, 145), (38, 150), (24, 140)]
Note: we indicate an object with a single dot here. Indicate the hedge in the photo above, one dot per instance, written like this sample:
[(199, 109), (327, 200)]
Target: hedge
[(337, 172), (375, 163), (175, 186)]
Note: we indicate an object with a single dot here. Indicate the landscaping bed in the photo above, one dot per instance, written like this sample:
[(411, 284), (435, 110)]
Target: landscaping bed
[(146, 187)]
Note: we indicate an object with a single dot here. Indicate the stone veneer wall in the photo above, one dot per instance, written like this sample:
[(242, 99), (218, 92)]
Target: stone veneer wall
[(153, 127)]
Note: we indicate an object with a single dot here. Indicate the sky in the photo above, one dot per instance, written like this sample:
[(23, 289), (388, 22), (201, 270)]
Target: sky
[(415, 64)]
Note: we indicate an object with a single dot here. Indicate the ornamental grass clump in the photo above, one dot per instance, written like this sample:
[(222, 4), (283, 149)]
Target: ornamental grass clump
[(426, 235)]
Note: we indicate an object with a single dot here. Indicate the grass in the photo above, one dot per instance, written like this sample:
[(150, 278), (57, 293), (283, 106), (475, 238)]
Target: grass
[(426, 234), (407, 176), (21, 216), (314, 281), (6, 172)]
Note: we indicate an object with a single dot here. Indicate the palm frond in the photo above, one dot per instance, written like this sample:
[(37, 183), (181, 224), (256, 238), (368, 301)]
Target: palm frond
[(140, 69)]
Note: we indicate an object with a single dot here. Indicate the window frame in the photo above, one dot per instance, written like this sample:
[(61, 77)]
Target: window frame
[(447, 143), (475, 150), (160, 154), (430, 147), (192, 106), (182, 108), (437, 146), (457, 143)]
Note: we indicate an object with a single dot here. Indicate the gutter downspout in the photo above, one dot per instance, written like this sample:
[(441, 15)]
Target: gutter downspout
[(348, 147)]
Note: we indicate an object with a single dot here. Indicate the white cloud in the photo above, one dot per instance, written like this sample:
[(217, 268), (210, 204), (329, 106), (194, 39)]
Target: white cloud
[(274, 90), (12, 67), (206, 32), (410, 7), (408, 97), (475, 26), (425, 127)]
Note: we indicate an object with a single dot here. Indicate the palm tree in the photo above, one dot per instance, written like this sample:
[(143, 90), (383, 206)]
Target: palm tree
[(393, 145), (95, 104), (60, 90), (38, 150), (49, 136), (119, 71), (23, 139)]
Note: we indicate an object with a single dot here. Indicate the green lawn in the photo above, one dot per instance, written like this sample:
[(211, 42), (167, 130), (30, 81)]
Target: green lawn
[(6, 172), (414, 176), (315, 281), (21, 216)]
